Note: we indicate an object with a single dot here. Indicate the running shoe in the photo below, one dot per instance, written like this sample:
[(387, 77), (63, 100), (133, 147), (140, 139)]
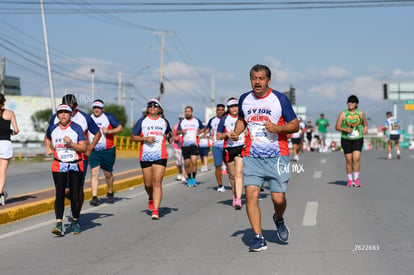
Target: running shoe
[(238, 205), (282, 230), (150, 205), (110, 198), (259, 244), (179, 177), (349, 183), (76, 227), (234, 201), (95, 201), (155, 214), (189, 183), (3, 198), (194, 183), (357, 183), (58, 229), (296, 158), (398, 156), (221, 189)]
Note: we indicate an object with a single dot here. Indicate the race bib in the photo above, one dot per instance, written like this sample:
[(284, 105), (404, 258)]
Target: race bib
[(259, 132), (67, 155), (354, 133)]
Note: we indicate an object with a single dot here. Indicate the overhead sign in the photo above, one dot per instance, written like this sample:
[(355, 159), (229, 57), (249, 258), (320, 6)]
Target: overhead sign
[(400, 91)]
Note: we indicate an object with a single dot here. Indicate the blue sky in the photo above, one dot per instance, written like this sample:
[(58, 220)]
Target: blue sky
[(326, 54)]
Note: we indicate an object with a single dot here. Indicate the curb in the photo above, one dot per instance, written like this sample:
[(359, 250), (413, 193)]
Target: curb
[(45, 205)]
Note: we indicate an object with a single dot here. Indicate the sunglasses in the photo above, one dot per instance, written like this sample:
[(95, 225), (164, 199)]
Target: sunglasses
[(234, 105), (153, 105)]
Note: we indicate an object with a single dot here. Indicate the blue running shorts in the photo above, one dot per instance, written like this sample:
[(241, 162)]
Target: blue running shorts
[(217, 155), (274, 171)]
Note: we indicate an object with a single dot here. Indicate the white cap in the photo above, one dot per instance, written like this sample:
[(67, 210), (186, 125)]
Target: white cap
[(154, 100), (98, 104), (232, 102), (64, 107)]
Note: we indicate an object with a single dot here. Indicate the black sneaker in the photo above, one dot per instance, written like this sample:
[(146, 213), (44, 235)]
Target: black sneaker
[(58, 229), (259, 244), (76, 227), (282, 230), (110, 198), (95, 201)]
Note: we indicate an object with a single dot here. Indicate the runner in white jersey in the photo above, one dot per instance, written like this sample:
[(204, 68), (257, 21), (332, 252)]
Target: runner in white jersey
[(66, 141), (269, 117), (190, 127), (233, 150), (103, 156), (297, 139), (392, 129), (85, 121), (152, 131), (217, 148)]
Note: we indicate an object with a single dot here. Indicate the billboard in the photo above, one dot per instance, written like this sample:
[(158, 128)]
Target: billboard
[(24, 107)]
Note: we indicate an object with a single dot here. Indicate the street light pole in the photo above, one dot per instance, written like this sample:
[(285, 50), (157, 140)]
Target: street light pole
[(49, 70), (93, 84)]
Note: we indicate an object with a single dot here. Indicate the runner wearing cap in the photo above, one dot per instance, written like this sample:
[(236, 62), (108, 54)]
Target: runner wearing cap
[(103, 155), (66, 141), (152, 131), (233, 150), (85, 121)]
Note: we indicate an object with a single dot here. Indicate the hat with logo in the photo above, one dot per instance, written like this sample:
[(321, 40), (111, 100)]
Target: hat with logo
[(63, 107)]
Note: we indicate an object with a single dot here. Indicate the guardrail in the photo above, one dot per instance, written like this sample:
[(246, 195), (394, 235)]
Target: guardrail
[(126, 144)]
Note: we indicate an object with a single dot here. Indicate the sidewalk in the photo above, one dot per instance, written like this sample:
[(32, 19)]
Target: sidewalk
[(27, 205)]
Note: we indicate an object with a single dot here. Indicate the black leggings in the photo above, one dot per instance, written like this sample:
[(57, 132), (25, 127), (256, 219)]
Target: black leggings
[(75, 185)]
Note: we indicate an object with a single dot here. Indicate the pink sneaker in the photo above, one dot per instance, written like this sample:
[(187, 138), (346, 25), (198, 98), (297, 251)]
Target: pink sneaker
[(224, 172), (234, 201), (357, 184), (349, 184), (151, 205), (238, 204)]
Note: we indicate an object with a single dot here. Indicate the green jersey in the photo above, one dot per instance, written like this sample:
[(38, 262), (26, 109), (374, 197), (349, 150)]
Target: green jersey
[(323, 124), (355, 121)]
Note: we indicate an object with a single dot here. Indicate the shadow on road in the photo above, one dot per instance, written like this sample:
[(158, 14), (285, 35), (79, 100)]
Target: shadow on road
[(338, 182), (87, 221), (247, 236)]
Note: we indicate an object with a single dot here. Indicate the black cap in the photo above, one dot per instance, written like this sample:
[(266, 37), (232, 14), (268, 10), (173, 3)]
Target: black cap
[(69, 99)]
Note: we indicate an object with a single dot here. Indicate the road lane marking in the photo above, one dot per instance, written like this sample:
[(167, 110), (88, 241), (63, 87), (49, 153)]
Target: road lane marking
[(317, 174), (311, 211), (323, 161)]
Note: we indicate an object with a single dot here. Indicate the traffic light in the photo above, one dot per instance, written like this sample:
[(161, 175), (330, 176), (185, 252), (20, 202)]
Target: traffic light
[(385, 89), (292, 96)]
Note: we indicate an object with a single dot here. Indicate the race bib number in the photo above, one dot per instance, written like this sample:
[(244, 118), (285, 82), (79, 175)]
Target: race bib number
[(190, 136), (67, 155), (354, 133), (259, 133)]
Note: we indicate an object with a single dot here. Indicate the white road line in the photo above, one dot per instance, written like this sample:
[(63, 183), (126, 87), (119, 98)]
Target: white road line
[(323, 161), (317, 174), (311, 211)]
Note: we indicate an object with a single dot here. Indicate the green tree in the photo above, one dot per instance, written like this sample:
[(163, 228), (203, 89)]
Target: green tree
[(41, 119)]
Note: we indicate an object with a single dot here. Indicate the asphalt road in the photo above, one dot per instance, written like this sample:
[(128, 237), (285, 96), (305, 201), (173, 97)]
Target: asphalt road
[(334, 229)]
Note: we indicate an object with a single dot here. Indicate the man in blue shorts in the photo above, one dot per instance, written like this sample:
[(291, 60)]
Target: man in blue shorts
[(217, 145), (269, 117), (103, 155)]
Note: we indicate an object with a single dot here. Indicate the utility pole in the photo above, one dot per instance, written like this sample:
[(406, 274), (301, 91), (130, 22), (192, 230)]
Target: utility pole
[(93, 84), (52, 94), (2, 74), (212, 90), (119, 87), (161, 81)]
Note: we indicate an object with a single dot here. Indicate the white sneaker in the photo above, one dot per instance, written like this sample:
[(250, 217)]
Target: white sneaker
[(221, 189), (179, 177), (3, 198), (296, 158)]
